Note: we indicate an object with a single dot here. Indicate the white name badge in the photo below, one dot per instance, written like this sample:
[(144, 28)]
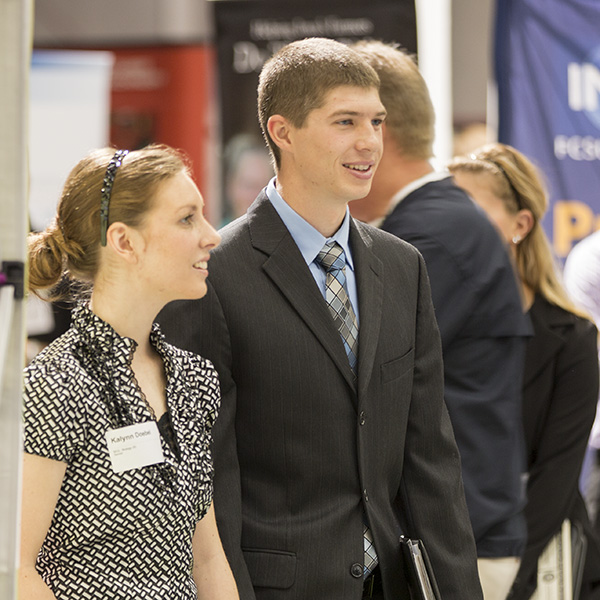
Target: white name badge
[(134, 446)]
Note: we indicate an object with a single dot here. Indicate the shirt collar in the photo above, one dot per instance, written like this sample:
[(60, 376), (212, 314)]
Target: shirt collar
[(307, 238), (409, 189), (99, 336)]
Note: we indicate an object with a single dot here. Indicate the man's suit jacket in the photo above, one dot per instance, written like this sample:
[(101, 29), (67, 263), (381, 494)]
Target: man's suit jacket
[(300, 450), (483, 328), (560, 391)]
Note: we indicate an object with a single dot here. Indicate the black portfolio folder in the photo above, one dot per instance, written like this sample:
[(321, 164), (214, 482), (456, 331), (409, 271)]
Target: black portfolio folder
[(419, 574)]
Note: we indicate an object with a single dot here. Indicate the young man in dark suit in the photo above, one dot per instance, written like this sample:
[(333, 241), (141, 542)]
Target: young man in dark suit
[(477, 305), (333, 428)]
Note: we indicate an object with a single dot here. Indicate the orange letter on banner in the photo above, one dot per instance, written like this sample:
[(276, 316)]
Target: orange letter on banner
[(573, 220)]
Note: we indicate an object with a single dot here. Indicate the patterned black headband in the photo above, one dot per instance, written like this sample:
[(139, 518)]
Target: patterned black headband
[(513, 189), (109, 179)]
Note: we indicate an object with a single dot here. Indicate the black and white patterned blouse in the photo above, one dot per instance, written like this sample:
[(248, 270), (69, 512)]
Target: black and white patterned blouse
[(119, 535)]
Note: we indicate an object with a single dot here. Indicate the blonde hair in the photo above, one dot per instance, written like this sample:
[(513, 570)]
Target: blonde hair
[(518, 183), (69, 248), (403, 91), (295, 80)]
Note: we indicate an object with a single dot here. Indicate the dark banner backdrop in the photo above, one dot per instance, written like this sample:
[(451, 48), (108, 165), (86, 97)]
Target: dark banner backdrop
[(248, 32)]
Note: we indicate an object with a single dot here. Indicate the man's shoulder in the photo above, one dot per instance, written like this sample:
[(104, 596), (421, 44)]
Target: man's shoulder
[(444, 204), (235, 242), (260, 227), (458, 243), (234, 229), (443, 214), (383, 242)]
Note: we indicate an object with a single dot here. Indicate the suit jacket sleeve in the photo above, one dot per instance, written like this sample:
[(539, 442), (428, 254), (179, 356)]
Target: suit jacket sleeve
[(199, 326), (432, 495)]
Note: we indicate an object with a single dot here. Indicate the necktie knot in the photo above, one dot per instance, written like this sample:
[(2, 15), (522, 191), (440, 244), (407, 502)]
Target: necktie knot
[(332, 257)]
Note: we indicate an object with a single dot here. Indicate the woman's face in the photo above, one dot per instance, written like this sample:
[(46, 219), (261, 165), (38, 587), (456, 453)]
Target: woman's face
[(479, 187), (177, 240)]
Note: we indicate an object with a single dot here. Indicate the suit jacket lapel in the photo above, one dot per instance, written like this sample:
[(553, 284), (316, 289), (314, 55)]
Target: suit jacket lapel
[(369, 280), (546, 342), (287, 269)]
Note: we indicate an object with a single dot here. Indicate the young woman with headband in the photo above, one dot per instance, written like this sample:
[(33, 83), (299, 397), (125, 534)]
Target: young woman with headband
[(117, 474)]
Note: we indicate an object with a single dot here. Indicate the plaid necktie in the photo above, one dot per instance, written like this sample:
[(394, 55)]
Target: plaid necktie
[(333, 260), (371, 559)]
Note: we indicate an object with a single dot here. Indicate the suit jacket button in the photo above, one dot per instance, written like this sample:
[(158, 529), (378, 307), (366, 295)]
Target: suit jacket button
[(356, 570), (362, 418)]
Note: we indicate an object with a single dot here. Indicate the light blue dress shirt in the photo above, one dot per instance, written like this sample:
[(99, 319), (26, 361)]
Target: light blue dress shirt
[(310, 242)]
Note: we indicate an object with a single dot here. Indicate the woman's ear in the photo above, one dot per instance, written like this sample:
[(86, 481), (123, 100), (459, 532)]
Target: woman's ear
[(124, 241), (279, 130), (524, 223)]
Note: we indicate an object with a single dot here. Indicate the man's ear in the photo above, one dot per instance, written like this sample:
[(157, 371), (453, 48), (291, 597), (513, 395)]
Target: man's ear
[(124, 241), (279, 129)]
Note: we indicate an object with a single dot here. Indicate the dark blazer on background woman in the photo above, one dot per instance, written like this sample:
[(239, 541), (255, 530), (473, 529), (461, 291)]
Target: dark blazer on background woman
[(560, 391)]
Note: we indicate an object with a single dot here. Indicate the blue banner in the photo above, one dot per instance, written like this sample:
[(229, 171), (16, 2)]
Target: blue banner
[(547, 62)]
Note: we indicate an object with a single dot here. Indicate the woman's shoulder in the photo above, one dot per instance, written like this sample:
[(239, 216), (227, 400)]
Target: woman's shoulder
[(555, 316), (56, 401), (194, 379), (57, 360), (56, 380), (190, 361), (184, 359), (578, 335)]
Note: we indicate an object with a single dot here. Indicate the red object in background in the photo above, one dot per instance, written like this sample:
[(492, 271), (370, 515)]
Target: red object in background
[(167, 95)]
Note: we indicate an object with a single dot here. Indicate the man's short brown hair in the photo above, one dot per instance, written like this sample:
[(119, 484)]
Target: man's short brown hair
[(295, 80)]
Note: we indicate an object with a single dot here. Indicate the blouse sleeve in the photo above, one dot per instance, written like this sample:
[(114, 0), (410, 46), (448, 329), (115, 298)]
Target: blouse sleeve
[(54, 416)]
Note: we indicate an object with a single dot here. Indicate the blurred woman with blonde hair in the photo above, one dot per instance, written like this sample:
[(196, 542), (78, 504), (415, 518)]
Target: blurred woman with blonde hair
[(560, 382)]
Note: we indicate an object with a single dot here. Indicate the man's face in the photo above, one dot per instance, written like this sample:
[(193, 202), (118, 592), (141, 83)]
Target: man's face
[(333, 156)]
